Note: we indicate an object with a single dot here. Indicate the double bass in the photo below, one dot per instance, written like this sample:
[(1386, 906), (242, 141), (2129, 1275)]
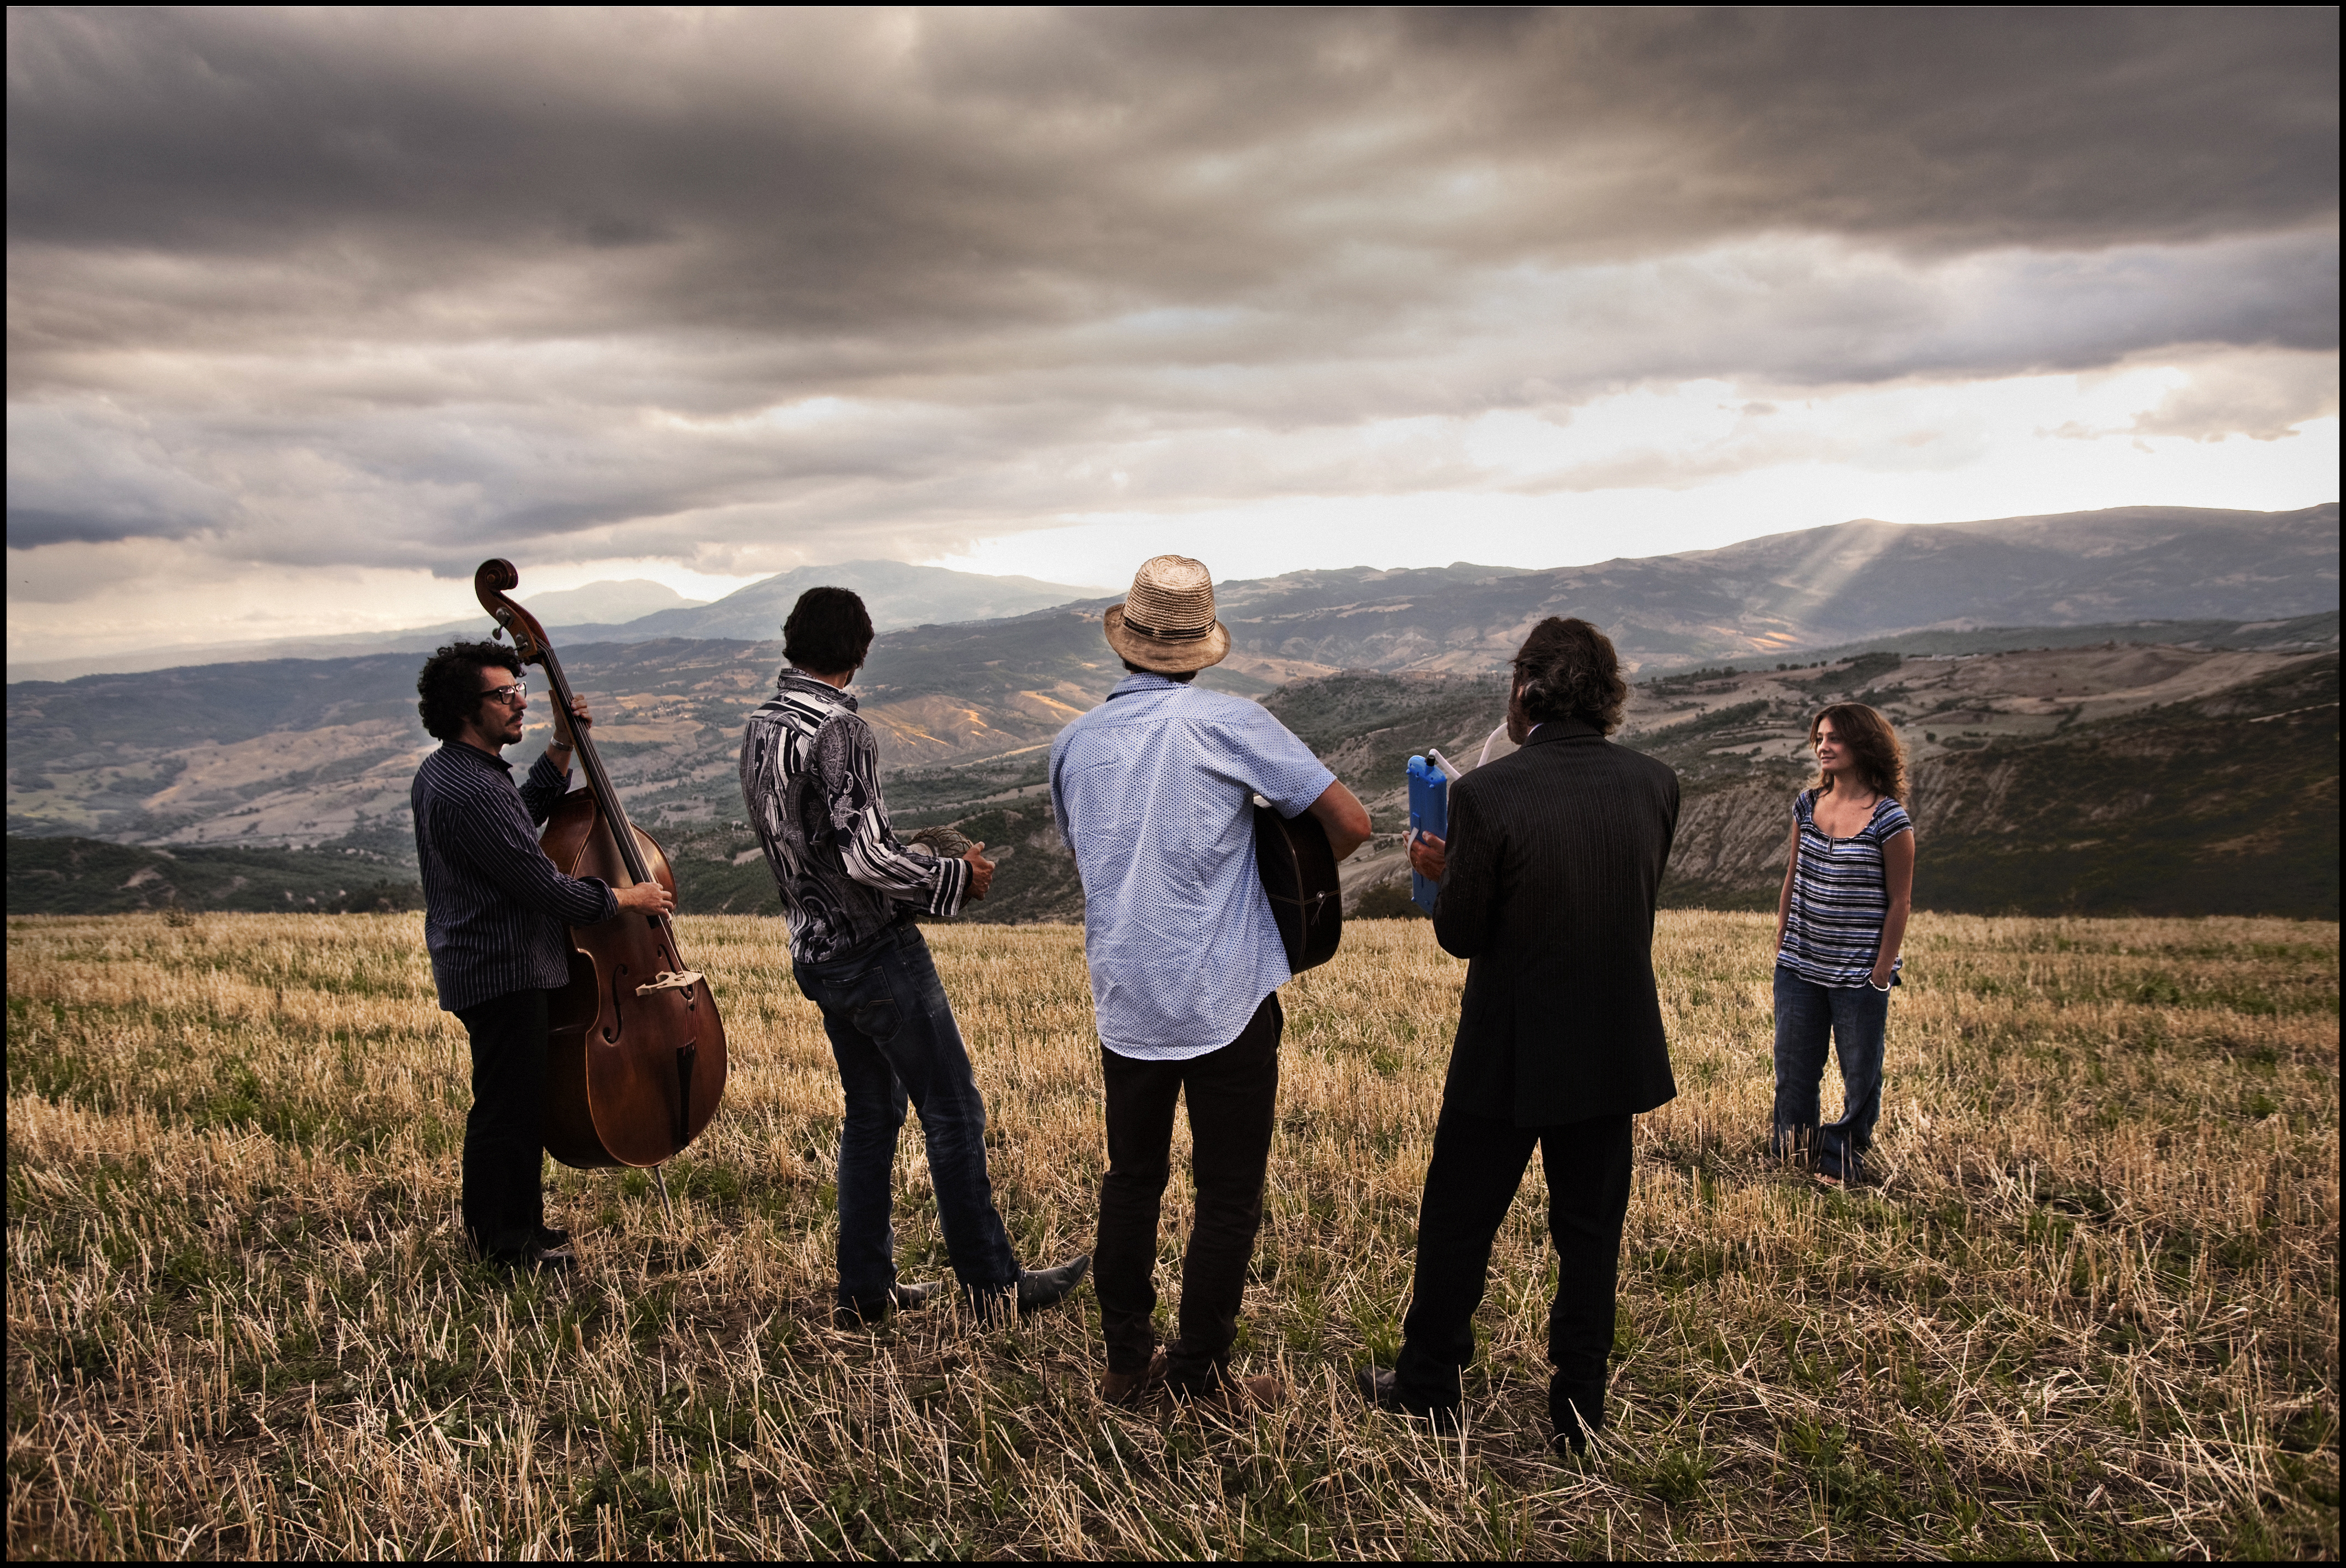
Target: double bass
[(635, 1054)]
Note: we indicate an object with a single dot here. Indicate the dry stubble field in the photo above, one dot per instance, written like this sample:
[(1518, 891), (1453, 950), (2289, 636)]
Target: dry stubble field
[(2092, 1308)]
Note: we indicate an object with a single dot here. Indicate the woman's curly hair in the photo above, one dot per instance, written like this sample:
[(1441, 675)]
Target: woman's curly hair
[(450, 684), (1875, 748), (1568, 669)]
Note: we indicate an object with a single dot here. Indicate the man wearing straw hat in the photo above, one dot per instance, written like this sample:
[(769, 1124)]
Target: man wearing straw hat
[(1153, 790)]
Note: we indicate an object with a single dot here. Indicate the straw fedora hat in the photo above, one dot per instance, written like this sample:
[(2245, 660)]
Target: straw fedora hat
[(1166, 623)]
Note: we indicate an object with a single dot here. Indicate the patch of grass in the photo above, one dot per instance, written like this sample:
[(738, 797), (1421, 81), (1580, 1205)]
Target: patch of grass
[(2089, 1309)]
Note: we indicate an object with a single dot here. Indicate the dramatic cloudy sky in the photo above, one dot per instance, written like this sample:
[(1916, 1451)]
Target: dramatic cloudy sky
[(309, 311)]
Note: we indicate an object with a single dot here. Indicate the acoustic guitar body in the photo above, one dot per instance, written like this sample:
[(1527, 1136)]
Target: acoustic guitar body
[(667, 1084), (1299, 876)]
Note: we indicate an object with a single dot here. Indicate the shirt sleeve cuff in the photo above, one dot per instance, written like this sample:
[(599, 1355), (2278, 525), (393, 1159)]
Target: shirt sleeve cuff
[(954, 878), (1297, 808)]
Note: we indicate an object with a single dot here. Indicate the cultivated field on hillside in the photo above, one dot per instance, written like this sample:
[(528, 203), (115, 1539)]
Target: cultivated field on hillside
[(2090, 1309)]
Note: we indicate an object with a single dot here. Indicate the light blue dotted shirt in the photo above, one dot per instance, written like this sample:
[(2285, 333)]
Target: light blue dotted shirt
[(1153, 790)]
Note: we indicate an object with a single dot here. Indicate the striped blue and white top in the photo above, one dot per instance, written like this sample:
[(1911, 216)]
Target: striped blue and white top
[(1153, 792), (1840, 896)]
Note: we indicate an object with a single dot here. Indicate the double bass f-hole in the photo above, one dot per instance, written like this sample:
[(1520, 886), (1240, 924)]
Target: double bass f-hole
[(656, 1070)]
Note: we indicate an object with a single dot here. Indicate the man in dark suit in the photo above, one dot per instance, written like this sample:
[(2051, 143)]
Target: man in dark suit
[(1549, 879)]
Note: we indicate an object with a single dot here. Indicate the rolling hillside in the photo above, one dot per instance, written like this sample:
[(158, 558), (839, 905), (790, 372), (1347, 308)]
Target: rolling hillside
[(2120, 778), (84, 876), (315, 755), (2124, 778)]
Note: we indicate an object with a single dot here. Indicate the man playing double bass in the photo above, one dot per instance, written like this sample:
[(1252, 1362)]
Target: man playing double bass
[(495, 910)]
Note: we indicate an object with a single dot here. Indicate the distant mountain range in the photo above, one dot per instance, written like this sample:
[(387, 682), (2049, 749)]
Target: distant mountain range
[(898, 595), (294, 754), (2119, 777), (1817, 587)]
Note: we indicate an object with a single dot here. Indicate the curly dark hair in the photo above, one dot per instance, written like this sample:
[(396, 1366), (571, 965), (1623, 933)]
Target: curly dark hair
[(450, 684), (829, 631), (1568, 669), (1872, 744)]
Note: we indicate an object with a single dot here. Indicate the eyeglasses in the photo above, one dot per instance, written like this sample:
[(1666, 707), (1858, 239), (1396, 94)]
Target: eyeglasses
[(512, 695)]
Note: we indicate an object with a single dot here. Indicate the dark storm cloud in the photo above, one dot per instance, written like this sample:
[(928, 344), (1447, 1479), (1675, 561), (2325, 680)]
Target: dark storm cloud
[(517, 270), (854, 172)]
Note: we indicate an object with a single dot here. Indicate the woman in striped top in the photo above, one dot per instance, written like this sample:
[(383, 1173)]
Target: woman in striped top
[(1839, 924)]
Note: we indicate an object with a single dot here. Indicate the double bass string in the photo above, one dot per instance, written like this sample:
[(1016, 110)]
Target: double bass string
[(590, 762), (656, 1073)]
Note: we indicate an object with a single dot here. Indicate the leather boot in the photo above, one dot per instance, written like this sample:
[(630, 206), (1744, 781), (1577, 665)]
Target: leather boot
[(1578, 1410), (1134, 1389), (901, 1297), (1229, 1395), (1382, 1388)]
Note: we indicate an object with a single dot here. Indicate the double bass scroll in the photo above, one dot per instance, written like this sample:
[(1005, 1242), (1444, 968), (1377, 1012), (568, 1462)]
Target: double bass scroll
[(636, 1059)]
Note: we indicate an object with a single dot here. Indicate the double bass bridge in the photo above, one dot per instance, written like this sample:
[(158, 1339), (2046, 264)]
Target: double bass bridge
[(671, 980)]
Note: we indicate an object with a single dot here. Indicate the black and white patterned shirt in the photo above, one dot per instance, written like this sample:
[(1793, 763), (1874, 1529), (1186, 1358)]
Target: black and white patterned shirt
[(811, 779), (493, 905)]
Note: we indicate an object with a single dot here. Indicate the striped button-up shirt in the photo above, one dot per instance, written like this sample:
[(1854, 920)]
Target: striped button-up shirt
[(811, 779), (1153, 791), (493, 905)]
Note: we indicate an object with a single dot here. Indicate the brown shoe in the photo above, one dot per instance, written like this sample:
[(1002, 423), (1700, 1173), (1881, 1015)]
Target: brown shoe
[(1236, 1396), (1132, 1390)]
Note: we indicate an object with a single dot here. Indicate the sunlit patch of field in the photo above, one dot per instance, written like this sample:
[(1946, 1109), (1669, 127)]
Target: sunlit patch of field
[(2092, 1308)]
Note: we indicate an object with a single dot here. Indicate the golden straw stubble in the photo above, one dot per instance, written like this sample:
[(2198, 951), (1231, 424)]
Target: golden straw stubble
[(2090, 1309)]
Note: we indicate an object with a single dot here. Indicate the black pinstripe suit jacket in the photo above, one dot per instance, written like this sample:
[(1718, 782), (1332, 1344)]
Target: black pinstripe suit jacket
[(1555, 856)]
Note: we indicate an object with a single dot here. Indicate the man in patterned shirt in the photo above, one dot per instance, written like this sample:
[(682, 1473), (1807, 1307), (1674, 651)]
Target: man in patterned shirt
[(1152, 789), (810, 778)]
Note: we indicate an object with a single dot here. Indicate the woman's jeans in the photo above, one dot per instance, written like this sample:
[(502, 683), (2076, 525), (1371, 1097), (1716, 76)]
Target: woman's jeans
[(1850, 1019), (894, 1035)]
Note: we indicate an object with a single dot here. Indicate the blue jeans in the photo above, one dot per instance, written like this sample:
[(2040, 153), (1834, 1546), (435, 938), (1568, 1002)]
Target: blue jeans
[(1853, 1019), (893, 1034)]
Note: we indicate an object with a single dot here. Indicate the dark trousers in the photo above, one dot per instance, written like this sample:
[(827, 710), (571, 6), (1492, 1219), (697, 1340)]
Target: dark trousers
[(504, 1202), (1853, 1019), (893, 1037), (1233, 1096), (1478, 1164)]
